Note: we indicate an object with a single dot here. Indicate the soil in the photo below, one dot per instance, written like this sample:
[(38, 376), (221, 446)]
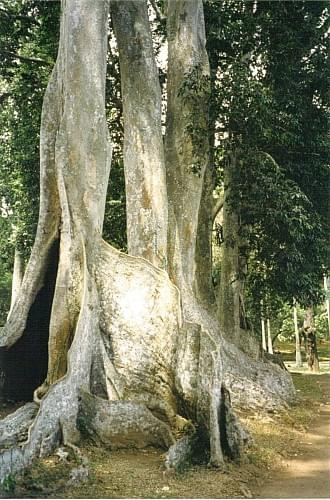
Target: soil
[(307, 475)]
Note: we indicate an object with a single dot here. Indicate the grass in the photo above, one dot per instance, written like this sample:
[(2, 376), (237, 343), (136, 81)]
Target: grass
[(141, 474), (288, 351)]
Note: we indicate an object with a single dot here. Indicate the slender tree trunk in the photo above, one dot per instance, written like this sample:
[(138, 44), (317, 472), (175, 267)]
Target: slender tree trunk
[(269, 338), (186, 160), (230, 297), (297, 336), (18, 273), (311, 341), (204, 288), (263, 334), (327, 302), (144, 163)]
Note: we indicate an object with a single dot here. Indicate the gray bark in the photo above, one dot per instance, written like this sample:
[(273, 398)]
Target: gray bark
[(121, 424), (75, 160), (185, 164), (14, 428), (144, 163), (309, 318)]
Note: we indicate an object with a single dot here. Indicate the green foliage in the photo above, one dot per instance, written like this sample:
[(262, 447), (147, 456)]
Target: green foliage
[(114, 230), (321, 324), (5, 294), (272, 111), (29, 45), (6, 264), (8, 484)]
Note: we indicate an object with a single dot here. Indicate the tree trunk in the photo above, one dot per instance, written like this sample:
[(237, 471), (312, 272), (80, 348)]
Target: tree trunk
[(297, 336), (115, 323), (75, 161), (18, 273), (144, 163), (203, 285), (327, 302), (269, 338), (187, 137), (310, 341), (229, 291), (208, 210), (263, 334), (231, 308)]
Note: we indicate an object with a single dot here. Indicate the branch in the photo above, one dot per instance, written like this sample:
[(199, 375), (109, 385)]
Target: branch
[(270, 157), (218, 204), (36, 60), (274, 337), (159, 15)]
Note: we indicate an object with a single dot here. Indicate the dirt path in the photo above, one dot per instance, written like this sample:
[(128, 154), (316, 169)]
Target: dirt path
[(308, 474)]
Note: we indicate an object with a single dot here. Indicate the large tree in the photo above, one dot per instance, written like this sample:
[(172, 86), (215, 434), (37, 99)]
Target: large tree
[(127, 343)]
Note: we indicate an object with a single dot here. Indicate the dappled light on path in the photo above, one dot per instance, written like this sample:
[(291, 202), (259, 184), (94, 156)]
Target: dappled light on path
[(307, 474)]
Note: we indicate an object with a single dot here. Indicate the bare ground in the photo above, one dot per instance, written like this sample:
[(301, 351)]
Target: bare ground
[(307, 474)]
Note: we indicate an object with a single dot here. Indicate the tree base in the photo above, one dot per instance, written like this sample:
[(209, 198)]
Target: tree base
[(134, 367)]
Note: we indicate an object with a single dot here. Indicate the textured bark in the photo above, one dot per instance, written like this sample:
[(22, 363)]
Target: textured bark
[(14, 428), (144, 162), (121, 424), (82, 163), (75, 161), (187, 58)]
